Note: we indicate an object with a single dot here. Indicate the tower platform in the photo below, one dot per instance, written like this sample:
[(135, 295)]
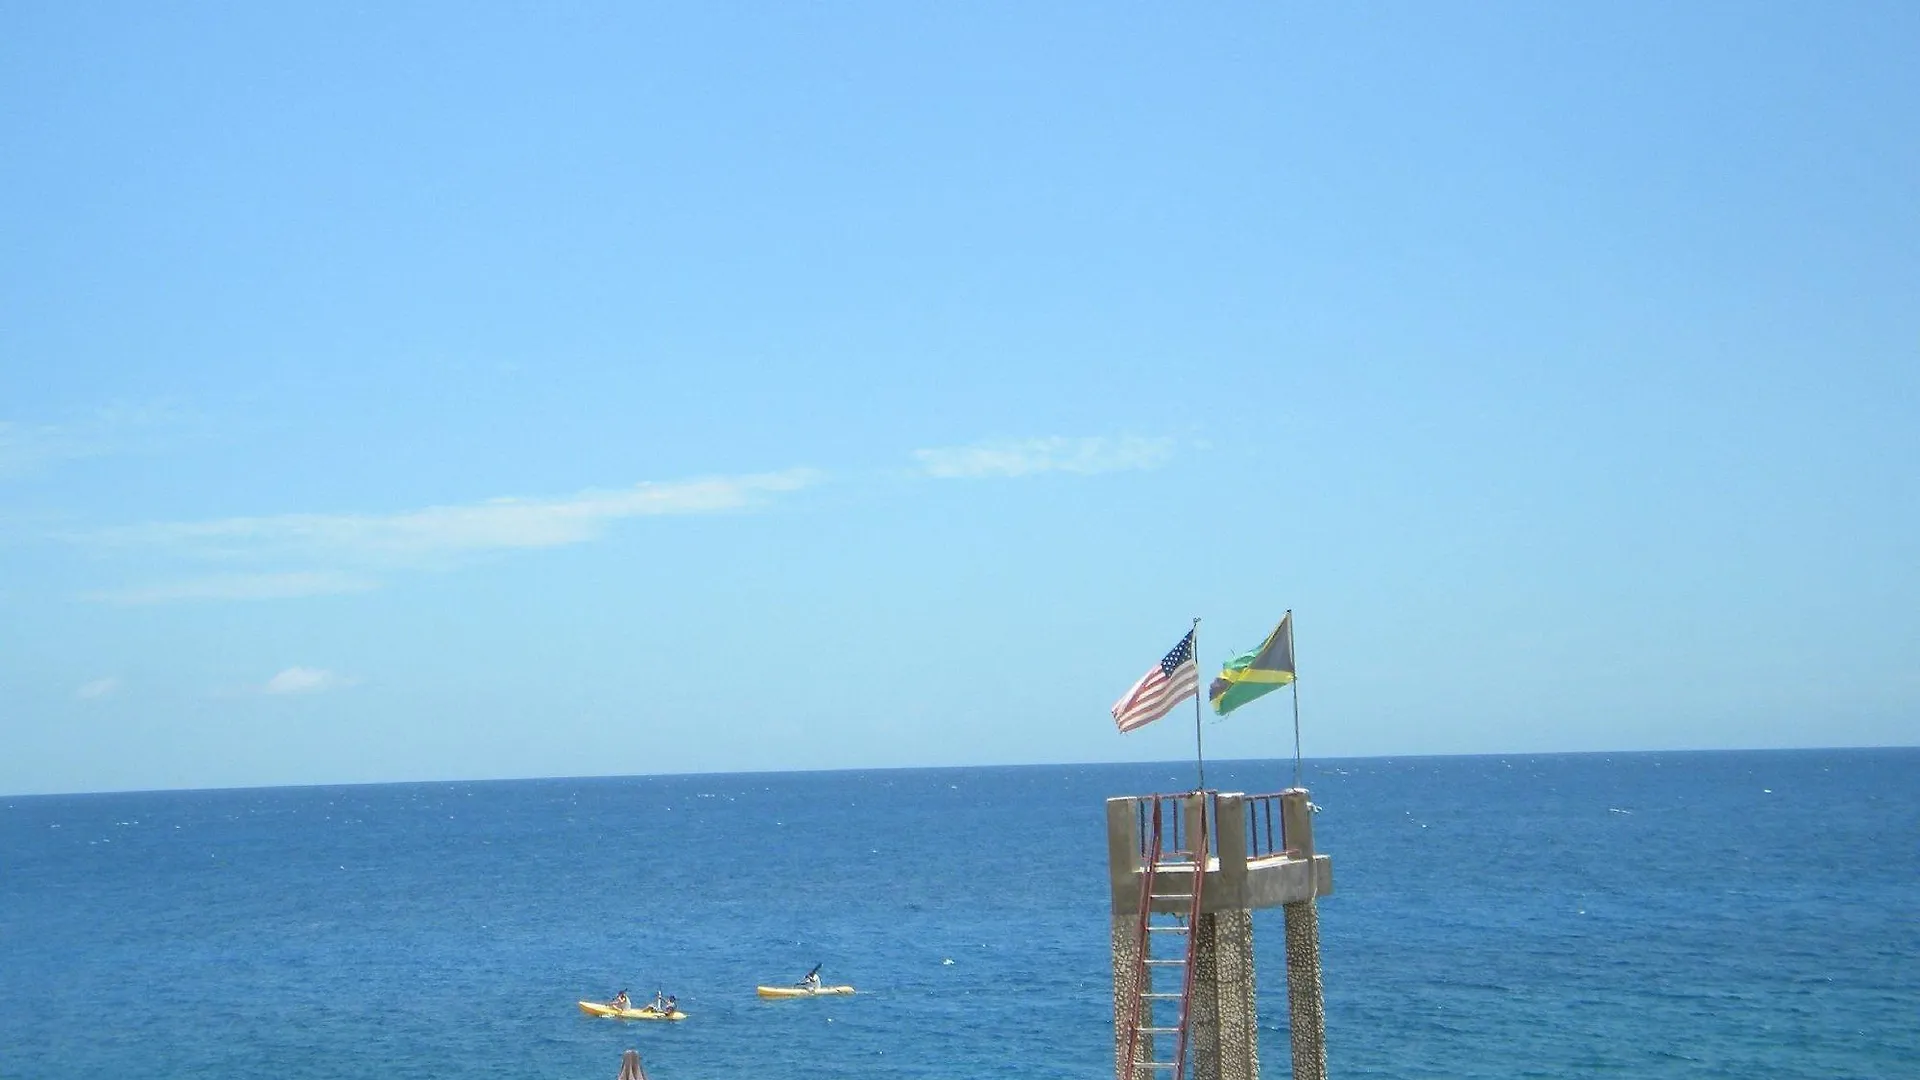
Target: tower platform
[(1255, 860), (1186, 873)]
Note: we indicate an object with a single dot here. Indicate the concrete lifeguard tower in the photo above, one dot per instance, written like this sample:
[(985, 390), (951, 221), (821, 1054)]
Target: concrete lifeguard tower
[(1187, 872)]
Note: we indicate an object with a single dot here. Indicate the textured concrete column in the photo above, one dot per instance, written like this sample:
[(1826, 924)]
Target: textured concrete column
[(1228, 936), (1123, 865), (1306, 1011), (1203, 1017), (1225, 1031), (1126, 989)]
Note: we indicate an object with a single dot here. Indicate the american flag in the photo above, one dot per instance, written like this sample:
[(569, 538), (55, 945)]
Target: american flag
[(1166, 684)]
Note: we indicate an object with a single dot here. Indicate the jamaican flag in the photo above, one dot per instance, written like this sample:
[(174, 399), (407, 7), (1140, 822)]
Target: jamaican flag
[(1252, 674)]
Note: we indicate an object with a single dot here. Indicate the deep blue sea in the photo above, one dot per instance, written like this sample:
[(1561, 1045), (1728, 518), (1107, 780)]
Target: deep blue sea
[(1647, 915)]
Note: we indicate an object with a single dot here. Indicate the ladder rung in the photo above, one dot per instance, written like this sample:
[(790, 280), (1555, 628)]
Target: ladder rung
[(1159, 1031), (1167, 929), (1162, 997), (1182, 962), (1172, 896)]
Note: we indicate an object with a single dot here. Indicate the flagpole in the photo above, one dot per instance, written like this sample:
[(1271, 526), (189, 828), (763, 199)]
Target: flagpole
[(1294, 655), (1199, 753)]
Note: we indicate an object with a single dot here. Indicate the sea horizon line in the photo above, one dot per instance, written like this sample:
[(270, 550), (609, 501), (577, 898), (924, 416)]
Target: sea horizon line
[(853, 770)]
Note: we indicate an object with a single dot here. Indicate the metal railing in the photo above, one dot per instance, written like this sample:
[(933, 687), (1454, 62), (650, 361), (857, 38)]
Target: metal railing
[(1173, 824), (1266, 826)]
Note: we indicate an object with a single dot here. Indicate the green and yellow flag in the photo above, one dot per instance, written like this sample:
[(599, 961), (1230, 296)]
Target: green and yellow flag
[(1252, 674)]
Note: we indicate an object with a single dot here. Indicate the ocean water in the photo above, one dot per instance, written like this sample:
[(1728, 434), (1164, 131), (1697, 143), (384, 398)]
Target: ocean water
[(1646, 915)]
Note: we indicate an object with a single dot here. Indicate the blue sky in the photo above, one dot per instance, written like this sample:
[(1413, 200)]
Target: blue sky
[(467, 390)]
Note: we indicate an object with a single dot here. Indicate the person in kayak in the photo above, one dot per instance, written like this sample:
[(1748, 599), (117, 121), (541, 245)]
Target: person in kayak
[(620, 1001), (667, 1009), (812, 979)]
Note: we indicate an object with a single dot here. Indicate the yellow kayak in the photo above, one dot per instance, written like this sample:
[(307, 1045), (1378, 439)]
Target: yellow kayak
[(600, 1008), (801, 991)]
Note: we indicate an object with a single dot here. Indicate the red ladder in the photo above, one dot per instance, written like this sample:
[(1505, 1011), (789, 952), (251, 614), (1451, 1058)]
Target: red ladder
[(1140, 1016)]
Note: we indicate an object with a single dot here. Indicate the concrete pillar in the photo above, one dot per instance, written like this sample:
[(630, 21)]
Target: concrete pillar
[(1193, 824), (1123, 851), (1203, 1022), (1306, 1009), (1126, 988), (1231, 829), (1123, 863), (1225, 1029)]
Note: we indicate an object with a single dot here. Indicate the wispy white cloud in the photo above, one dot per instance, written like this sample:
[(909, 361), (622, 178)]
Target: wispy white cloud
[(27, 448), (282, 586), (355, 550), (1026, 457), (305, 680), (98, 688)]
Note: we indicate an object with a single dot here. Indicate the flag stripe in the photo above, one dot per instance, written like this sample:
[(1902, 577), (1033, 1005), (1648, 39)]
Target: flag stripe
[(1155, 695), (1255, 674)]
